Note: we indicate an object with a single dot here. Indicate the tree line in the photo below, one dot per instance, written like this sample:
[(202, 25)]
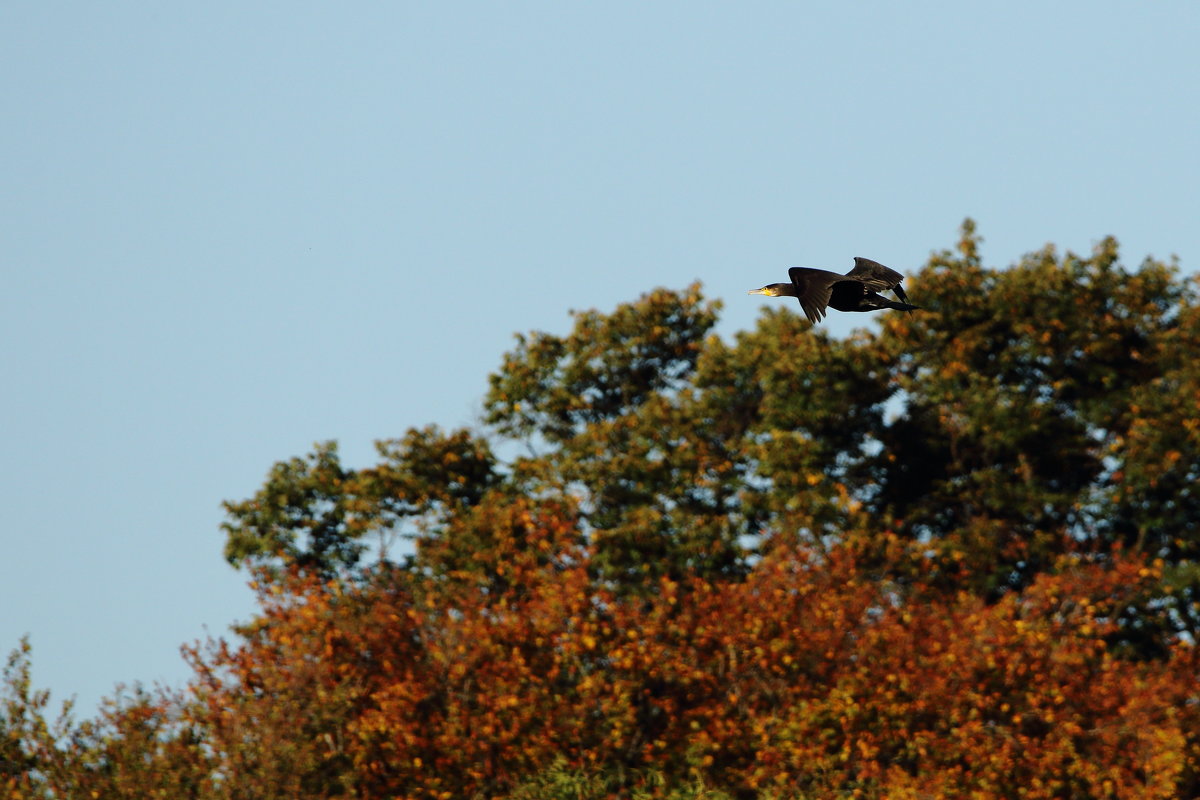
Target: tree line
[(954, 555)]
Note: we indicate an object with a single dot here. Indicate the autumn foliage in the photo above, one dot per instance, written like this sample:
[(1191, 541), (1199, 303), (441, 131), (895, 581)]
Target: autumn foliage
[(723, 570)]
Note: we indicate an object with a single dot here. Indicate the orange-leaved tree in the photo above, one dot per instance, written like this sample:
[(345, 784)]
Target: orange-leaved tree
[(809, 677)]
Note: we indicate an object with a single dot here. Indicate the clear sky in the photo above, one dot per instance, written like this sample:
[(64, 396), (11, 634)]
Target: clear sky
[(229, 230)]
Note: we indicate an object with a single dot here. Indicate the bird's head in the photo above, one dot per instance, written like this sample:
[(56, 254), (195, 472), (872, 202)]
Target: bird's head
[(775, 290)]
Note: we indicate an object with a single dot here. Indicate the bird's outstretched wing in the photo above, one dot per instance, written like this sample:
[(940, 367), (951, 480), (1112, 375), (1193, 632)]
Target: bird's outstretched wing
[(877, 277), (813, 288)]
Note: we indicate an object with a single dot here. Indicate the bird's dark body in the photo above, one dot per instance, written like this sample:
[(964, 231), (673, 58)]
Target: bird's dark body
[(857, 290), (851, 296)]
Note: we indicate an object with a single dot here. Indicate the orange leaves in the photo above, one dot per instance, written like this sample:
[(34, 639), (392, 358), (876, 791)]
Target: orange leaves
[(807, 677)]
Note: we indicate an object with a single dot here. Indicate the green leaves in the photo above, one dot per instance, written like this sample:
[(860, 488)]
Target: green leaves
[(607, 367), (300, 515), (1021, 387), (317, 515), (613, 407)]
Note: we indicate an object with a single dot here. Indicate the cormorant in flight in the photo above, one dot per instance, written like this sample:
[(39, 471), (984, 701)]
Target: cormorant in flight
[(857, 290)]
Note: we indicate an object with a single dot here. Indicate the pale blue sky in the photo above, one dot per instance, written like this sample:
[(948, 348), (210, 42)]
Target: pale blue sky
[(229, 230)]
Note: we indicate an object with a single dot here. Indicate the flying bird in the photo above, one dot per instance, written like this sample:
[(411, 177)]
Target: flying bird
[(857, 290)]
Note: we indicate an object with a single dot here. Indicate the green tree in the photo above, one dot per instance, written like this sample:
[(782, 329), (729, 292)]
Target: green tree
[(616, 419), (1048, 408), (1027, 412), (318, 515)]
